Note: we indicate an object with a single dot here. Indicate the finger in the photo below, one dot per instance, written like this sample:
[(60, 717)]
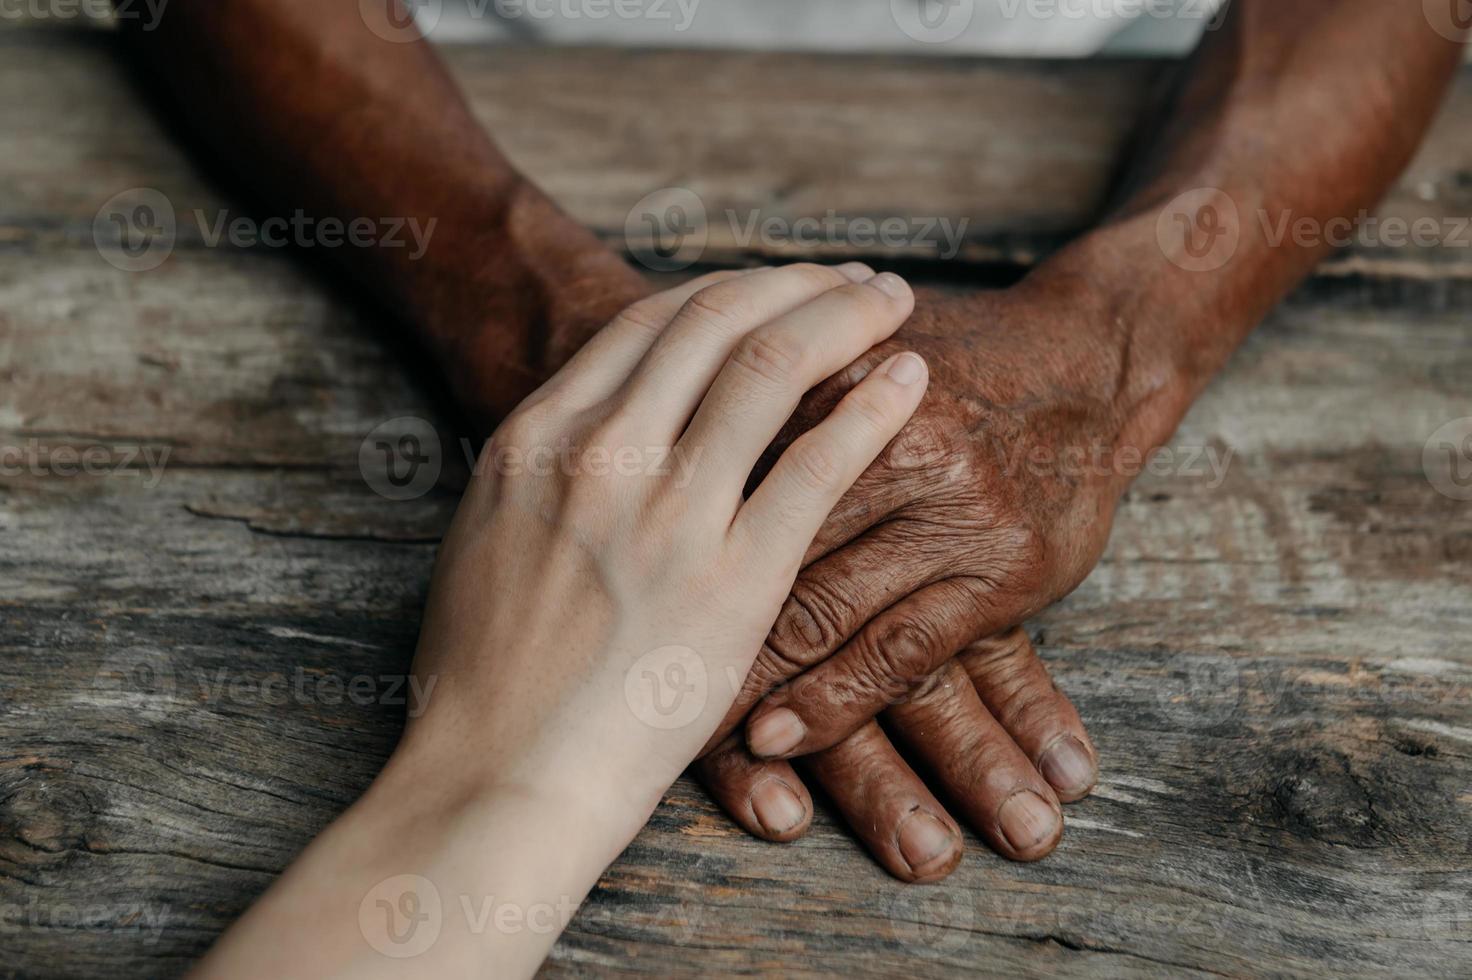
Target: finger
[(773, 366), (678, 368), (1015, 686), (888, 807), (793, 501), (607, 359), (985, 774), (884, 661), (767, 799), (833, 598)]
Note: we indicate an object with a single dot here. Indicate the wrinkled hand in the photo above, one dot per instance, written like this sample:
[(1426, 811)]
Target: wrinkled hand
[(995, 501)]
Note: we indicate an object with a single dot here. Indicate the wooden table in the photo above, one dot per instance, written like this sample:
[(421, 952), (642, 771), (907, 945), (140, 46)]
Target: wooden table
[(198, 666)]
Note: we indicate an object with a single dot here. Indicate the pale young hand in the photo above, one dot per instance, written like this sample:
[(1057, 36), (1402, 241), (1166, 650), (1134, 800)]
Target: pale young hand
[(606, 529), (572, 567)]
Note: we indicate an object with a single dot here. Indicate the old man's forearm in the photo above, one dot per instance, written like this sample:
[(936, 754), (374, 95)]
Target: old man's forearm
[(339, 111), (1293, 114)]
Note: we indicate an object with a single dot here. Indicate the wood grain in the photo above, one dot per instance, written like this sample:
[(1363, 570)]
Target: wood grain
[(201, 664), (1021, 152)]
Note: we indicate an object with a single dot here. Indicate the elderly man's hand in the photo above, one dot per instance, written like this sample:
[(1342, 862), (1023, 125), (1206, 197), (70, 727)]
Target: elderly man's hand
[(995, 501)]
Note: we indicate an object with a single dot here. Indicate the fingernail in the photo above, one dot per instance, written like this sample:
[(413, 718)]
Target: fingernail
[(1067, 766), (856, 271), (923, 839), (890, 285), (1027, 820), (777, 808), (906, 369), (775, 733)]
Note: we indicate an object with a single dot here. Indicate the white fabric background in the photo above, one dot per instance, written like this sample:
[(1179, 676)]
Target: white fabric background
[(1040, 28)]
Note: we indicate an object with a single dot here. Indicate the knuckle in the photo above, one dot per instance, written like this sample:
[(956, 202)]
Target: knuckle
[(772, 357), (868, 301), (817, 276), (722, 307), (923, 443), (610, 432), (906, 648), (520, 430), (1013, 674), (810, 626), (871, 410), (815, 464), (939, 687), (643, 318)]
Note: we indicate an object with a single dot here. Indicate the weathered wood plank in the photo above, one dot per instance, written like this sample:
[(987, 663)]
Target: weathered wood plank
[(199, 666), (1282, 776), (1265, 663), (1022, 151)]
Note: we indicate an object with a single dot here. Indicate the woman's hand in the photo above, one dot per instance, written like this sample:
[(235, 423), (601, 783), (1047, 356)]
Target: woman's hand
[(606, 529), (605, 539)]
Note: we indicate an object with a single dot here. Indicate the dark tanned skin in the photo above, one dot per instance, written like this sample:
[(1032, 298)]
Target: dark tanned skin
[(953, 539)]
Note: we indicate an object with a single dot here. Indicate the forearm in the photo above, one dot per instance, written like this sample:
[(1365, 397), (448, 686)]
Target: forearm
[(320, 113), (1293, 110), (432, 875)]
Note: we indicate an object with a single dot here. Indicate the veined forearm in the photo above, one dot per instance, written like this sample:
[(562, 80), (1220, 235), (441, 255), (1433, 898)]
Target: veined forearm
[(1291, 111)]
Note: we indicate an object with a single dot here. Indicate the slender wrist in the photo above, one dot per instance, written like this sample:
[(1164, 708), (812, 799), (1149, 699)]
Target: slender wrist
[(589, 762)]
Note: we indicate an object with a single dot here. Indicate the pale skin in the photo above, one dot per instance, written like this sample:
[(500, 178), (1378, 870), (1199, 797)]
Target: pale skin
[(532, 767), (910, 605)]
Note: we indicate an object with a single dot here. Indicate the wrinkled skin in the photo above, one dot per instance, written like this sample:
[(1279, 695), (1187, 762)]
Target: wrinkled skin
[(975, 519)]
